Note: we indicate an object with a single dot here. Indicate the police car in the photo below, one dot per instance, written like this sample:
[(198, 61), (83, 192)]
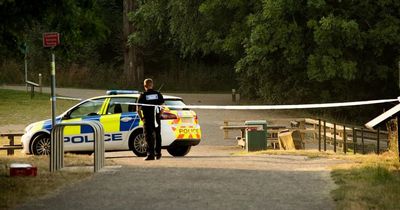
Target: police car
[(123, 128)]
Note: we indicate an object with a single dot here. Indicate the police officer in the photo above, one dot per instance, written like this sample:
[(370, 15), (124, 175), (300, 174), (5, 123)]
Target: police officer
[(150, 116)]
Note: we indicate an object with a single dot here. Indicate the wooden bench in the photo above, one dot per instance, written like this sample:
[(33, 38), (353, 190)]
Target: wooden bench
[(272, 133), (11, 146)]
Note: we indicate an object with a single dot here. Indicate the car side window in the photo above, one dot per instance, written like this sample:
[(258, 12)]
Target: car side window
[(121, 105), (89, 108)]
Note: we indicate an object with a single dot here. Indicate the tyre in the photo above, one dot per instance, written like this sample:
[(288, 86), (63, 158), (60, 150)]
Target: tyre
[(138, 144), (41, 145), (178, 151)]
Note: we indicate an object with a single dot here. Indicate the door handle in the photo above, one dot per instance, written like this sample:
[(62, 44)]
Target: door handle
[(126, 119)]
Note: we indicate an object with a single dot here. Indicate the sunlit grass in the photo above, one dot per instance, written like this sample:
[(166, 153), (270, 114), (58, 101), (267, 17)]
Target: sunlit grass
[(17, 190), (16, 107)]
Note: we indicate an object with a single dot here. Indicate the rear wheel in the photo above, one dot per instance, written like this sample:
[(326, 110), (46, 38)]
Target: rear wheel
[(179, 151), (41, 145), (138, 144)]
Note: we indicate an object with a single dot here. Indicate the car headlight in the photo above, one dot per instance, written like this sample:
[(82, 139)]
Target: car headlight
[(28, 128)]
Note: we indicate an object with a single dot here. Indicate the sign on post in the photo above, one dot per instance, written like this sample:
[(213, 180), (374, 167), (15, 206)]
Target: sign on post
[(51, 39)]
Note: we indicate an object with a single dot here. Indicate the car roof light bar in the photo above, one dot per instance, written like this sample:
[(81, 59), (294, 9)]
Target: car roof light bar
[(118, 92)]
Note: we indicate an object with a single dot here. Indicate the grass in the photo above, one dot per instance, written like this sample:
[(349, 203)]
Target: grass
[(364, 182), (16, 107), (372, 182), (17, 190)]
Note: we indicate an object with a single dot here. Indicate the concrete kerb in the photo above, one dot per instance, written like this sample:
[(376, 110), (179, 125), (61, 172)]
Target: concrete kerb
[(57, 144)]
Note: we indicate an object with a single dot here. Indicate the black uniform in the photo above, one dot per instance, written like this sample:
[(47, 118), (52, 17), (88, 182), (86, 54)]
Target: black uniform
[(151, 119)]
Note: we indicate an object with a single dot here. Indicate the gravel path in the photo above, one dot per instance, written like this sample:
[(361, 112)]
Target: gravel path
[(208, 178)]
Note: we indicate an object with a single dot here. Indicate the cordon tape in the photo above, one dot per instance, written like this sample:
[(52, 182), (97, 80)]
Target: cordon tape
[(269, 107)]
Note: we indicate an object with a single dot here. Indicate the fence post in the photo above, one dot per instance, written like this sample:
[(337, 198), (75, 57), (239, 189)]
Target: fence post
[(354, 141), (362, 140), (334, 137), (324, 135), (234, 95), (344, 140), (378, 142), (226, 134), (319, 134)]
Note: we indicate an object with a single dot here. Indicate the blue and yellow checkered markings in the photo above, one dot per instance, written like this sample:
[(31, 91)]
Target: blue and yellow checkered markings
[(111, 123)]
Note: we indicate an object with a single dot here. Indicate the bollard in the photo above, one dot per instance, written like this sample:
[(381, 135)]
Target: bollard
[(40, 83), (57, 144), (234, 95)]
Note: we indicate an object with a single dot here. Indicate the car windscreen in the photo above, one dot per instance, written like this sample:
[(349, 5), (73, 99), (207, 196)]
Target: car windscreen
[(174, 102)]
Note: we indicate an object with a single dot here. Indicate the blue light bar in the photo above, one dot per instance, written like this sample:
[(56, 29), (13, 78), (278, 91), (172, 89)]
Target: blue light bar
[(118, 92)]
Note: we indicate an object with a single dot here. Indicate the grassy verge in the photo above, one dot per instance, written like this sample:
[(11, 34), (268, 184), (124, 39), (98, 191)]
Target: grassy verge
[(365, 182), (16, 107), (18, 190), (372, 182)]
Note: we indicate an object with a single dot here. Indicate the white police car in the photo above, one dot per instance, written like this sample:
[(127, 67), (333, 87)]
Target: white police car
[(122, 126)]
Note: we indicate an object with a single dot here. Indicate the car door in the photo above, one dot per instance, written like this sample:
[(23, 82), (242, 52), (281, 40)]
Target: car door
[(80, 138), (119, 119)]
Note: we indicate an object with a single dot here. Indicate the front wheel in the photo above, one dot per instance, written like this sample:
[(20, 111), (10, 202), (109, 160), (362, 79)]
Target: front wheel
[(178, 151), (41, 145), (139, 145)]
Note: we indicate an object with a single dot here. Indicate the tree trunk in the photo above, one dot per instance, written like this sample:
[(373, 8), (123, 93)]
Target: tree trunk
[(133, 56)]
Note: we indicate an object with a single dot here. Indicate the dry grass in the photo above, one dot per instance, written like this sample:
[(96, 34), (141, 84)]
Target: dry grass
[(365, 182), (17, 190)]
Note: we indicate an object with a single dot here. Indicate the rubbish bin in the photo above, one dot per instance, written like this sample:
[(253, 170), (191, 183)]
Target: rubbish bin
[(256, 135)]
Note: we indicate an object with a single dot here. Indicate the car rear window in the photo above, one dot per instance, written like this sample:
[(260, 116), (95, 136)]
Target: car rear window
[(174, 102)]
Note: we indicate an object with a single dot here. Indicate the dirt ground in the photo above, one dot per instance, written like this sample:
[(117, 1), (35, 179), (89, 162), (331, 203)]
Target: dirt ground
[(208, 178)]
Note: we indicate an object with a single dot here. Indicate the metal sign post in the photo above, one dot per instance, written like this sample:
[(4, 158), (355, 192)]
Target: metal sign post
[(52, 39), (53, 89)]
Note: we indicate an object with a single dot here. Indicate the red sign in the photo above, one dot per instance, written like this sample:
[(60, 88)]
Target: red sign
[(51, 39)]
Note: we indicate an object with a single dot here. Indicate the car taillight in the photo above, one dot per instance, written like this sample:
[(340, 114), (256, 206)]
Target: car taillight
[(168, 116)]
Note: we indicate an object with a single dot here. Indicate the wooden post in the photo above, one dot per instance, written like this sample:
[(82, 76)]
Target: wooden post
[(398, 134), (32, 91), (378, 141), (319, 134), (324, 135), (11, 151), (40, 83), (362, 140), (233, 95), (344, 139), (354, 141), (334, 137), (226, 123)]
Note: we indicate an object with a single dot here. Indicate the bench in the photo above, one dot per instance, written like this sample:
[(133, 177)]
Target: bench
[(272, 133), (33, 85), (11, 146)]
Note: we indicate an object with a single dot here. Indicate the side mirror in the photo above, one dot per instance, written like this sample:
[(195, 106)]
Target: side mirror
[(66, 116)]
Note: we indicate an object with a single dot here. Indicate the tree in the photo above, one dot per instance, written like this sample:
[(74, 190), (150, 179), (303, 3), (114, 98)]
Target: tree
[(133, 57)]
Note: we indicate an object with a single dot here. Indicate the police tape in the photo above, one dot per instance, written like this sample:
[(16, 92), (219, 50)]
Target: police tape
[(265, 107)]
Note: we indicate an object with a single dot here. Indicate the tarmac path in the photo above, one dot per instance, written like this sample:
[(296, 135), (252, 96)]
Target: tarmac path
[(209, 177)]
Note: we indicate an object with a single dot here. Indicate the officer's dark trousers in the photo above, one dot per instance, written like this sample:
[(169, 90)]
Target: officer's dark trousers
[(153, 138)]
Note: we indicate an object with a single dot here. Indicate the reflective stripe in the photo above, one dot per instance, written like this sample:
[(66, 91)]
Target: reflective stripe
[(38, 126), (111, 123), (104, 107), (72, 130)]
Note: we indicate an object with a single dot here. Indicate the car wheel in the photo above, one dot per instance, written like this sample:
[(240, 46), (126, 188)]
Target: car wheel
[(41, 145), (139, 144), (178, 151)]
